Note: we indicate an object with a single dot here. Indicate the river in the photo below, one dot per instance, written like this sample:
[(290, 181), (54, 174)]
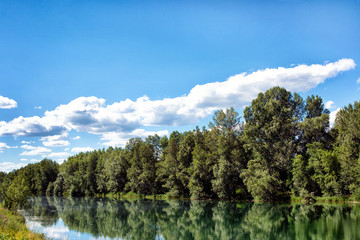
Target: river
[(92, 218)]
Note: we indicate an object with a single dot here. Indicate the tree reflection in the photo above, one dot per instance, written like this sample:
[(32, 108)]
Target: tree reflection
[(175, 219)]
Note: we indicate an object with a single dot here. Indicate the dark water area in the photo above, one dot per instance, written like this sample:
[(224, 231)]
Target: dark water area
[(91, 218)]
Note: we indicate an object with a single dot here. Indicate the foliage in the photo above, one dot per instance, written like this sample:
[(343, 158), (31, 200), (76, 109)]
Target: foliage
[(348, 127), (14, 194), (271, 130), (12, 227)]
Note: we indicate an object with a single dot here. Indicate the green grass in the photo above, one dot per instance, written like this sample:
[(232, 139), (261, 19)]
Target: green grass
[(12, 227)]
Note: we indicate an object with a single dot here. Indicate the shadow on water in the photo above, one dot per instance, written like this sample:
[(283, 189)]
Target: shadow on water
[(173, 219)]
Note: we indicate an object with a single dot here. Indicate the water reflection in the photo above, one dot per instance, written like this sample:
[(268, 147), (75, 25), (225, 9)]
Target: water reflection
[(147, 219)]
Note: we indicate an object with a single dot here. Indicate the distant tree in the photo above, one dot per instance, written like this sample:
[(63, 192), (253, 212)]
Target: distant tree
[(59, 185)]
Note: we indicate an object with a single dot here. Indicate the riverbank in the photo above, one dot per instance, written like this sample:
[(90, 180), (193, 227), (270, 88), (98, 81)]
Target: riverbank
[(134, 196), (13, 227)]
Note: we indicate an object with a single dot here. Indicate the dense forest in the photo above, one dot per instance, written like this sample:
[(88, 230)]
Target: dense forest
[(283, 147)]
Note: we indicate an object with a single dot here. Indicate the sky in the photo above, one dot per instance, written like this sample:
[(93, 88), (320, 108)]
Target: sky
[(82, 75)]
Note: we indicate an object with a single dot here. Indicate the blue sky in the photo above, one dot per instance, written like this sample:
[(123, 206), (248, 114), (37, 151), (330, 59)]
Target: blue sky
[(91, 74)]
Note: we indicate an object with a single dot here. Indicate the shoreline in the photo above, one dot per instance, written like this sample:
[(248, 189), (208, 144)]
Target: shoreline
[(13, 226), (135, 196)]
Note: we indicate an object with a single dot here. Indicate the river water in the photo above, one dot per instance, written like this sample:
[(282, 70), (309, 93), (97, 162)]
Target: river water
[(91, 218)]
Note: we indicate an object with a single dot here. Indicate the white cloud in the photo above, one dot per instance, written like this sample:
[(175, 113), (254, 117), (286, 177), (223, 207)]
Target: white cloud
[(3, 146), (27, 142), (56, 232), (28, 147), (92, 115), (31, 126), (120, 139), (333, 117), (358, 81), (76, 138), (9, 166), (56, 140), (57, 155), (7, 103), (33, 151), (23, 159), (38, 107), (82, 149), (57, 143), (330, 105), (34, 160)]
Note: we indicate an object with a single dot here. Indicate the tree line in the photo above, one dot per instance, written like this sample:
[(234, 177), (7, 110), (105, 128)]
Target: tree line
[(284, 147)]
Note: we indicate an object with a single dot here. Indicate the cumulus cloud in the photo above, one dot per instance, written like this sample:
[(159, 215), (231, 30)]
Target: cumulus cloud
[(76, 138), (7, 103), (58, 143), (57, 155), (55, 141), (9, 166), (35, 160), (33, 151), (333, 117), (114, 122), (82, 149), (120, 139), (31, 126), (330, 105), (5, 146)]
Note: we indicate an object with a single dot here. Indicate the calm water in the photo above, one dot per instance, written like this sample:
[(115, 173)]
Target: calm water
[(89, 218)]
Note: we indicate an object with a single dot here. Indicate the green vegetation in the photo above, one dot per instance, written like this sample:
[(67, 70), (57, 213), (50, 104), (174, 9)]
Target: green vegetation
[(285, 149), (12, 227)]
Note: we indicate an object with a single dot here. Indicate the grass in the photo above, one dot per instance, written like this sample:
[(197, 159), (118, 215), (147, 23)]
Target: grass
[(12, 227)]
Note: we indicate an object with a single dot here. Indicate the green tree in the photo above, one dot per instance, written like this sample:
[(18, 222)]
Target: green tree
[(59, 185), (201, 173), (313, 130), (142, 172), (14, 194), (232, 155), (171, 166), (116, 169), (347, 125), (271, 129), (325, 168)]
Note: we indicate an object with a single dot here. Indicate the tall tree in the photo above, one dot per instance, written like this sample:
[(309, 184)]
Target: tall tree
[(142, 172), (232, 156), (204, 158), (314, 131), (271, 129), (347, 125)]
